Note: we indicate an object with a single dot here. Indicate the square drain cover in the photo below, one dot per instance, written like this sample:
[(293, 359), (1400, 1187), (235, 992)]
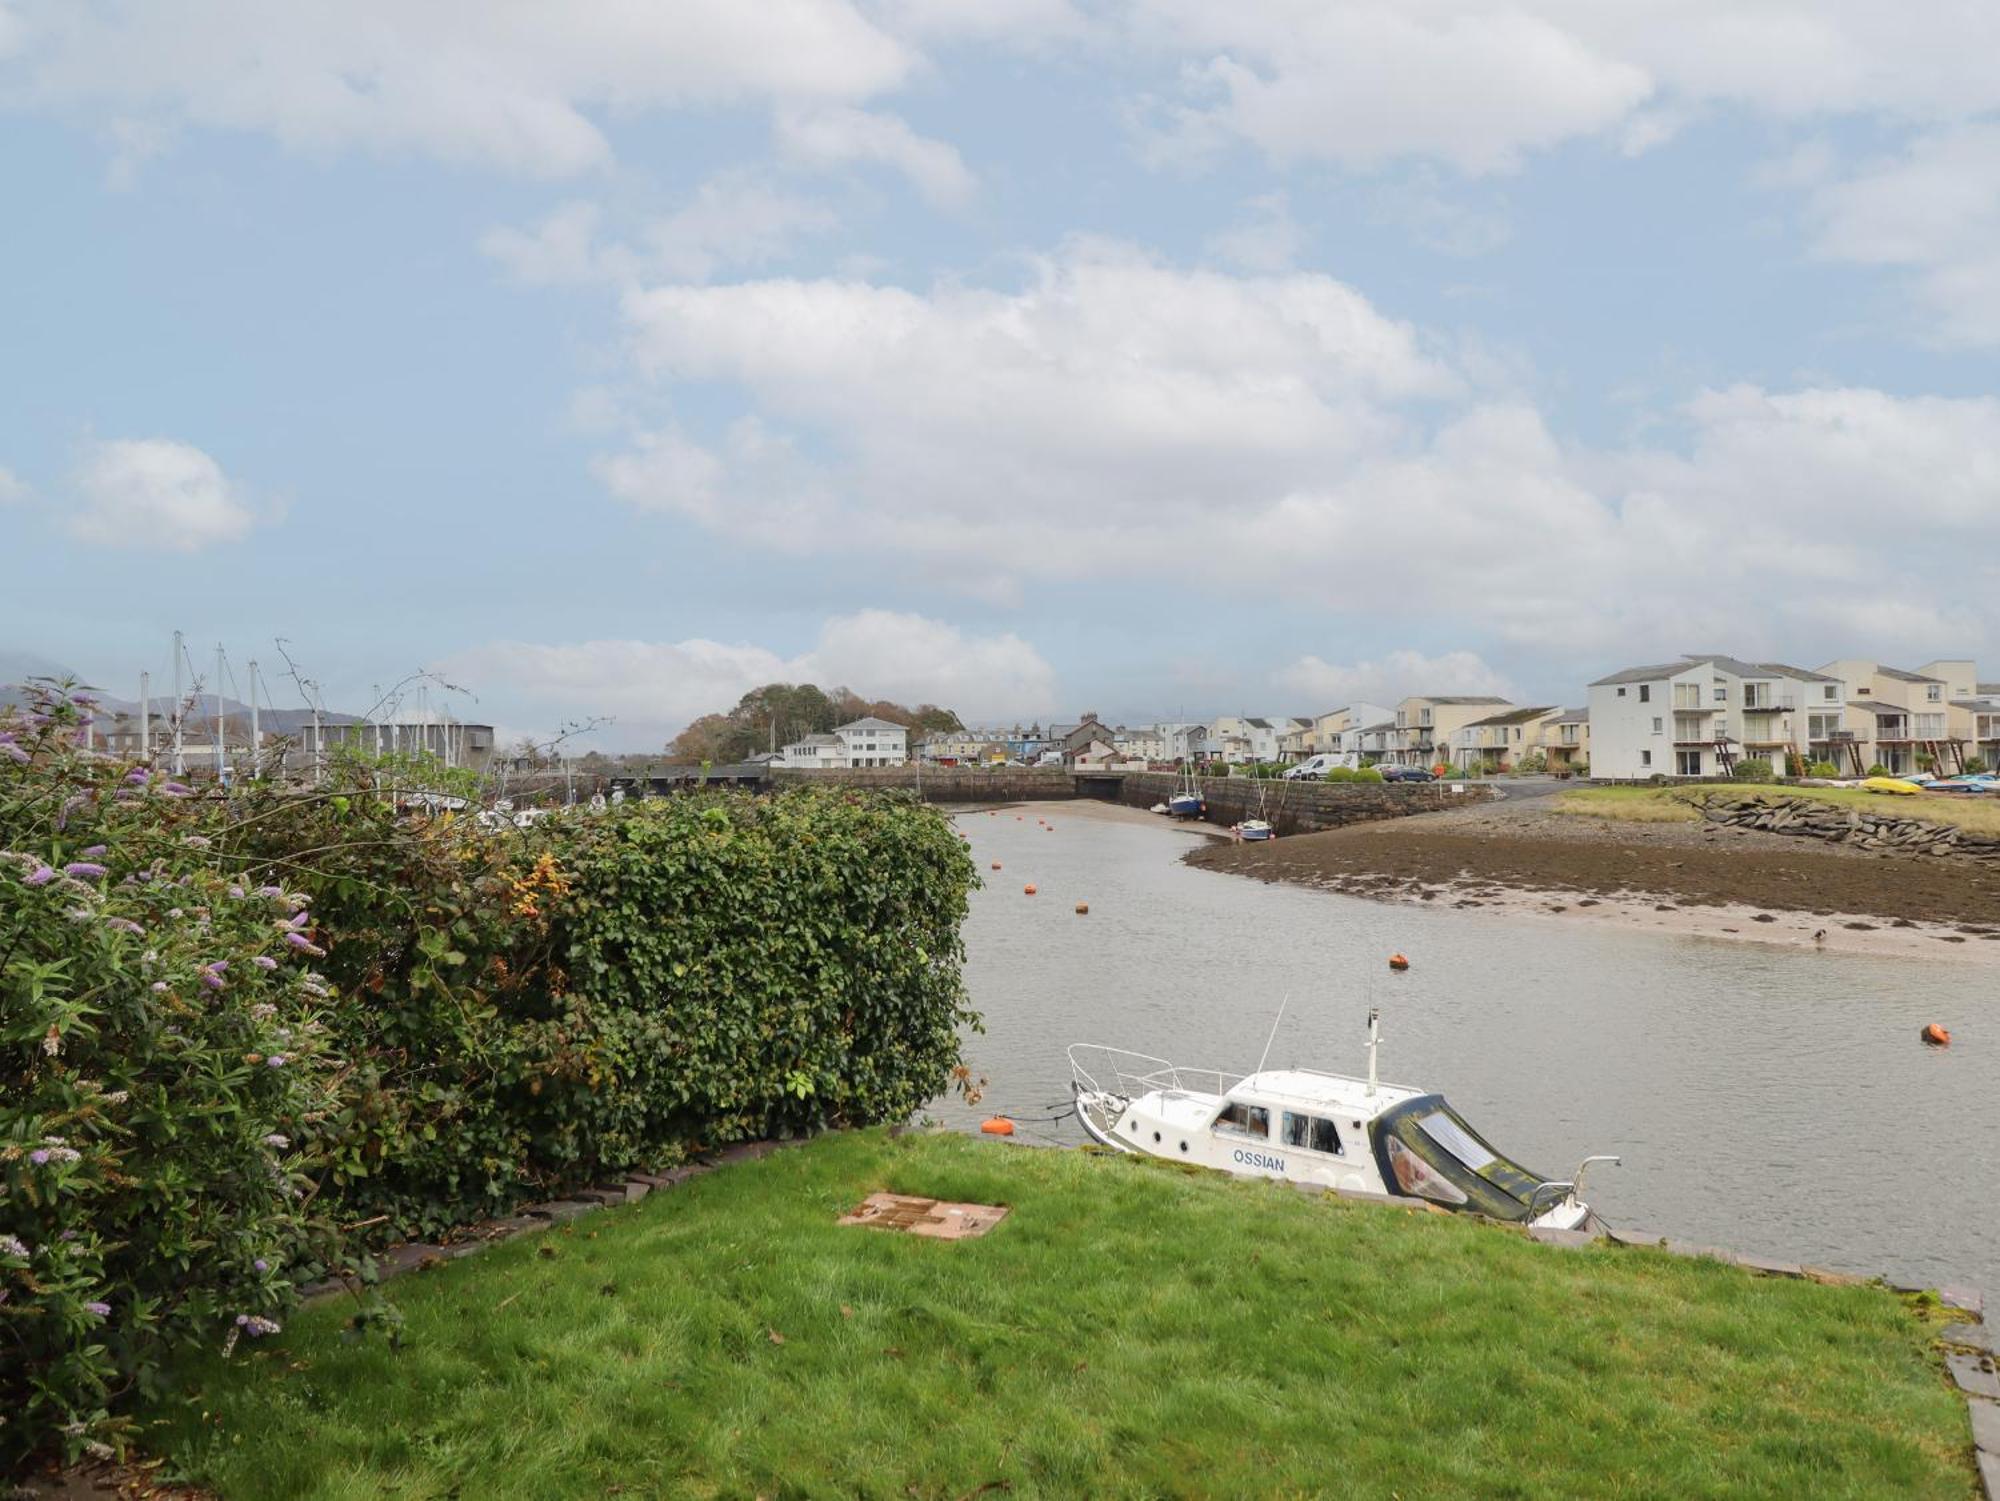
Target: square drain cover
[(916, 1216)]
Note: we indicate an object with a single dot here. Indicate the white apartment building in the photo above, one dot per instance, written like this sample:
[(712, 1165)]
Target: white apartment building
[(1225, 739), (1371, 744), (1267, 736), (874, 742), (1701, 716), (1982, 710), (1338, 732)]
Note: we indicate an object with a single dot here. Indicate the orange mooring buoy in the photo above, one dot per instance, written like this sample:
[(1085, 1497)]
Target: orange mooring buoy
[(999, 1125), (1936, 1036), (1397, 961), (1083, 909), (996, 864), (1028, 890)]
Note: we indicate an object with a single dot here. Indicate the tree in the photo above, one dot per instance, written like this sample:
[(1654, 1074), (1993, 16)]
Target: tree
[(704, 740)]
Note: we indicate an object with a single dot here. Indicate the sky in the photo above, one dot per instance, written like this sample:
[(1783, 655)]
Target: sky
[(1156, 358)]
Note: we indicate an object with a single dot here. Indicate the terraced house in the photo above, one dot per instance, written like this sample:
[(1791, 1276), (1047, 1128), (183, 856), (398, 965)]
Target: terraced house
[(1497, 742), (1427, 724), (1905, 721)]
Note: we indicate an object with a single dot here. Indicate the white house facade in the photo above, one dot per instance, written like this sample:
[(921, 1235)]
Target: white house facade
[(874, 742)]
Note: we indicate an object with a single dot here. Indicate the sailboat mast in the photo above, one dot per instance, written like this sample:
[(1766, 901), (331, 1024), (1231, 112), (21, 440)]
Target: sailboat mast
[(146, 717)]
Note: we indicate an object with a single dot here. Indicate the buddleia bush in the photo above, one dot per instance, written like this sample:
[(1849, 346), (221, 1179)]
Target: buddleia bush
[(162, 1061)]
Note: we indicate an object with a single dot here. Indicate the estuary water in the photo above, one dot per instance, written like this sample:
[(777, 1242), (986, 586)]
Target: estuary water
[(1765, 1099)]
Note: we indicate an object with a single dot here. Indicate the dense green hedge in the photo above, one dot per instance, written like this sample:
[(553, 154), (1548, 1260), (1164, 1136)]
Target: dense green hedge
[(190, 1116)]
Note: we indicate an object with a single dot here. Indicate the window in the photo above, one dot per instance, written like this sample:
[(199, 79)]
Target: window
[(1645, 693), (1832, 691), (1657, 724), (1621, 692), (1456, 1140), (1933, 693), (1645, 758), (1722, 693), (1310, 1131), (1238, 1119), (1687, 763)]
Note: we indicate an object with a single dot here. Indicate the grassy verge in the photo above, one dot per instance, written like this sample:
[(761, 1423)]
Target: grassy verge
[(1979, 814), (1129, 1330)]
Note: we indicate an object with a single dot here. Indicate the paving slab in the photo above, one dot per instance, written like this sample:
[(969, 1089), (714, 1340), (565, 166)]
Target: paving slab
[(1985, 1425), (1989, 1475), (1770, 1267), (1964, 1299), (926, 1217), (635, 1190), (1974, 1374), (1368, 1196), (1976, 1335), (399, 1259), (559, 1210), (1650, 1239), (1827, 1277), (605, 1196)]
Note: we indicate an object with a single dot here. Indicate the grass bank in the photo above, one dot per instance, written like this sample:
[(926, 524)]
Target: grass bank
[(1979, 814), (1128, 1330)]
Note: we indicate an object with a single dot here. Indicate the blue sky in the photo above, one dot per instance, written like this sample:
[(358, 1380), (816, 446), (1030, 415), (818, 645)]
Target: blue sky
[(1139, 355)]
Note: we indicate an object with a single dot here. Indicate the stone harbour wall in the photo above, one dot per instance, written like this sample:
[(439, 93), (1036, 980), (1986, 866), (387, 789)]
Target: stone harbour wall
[(1869, 831), (1305, 807), (955, 784)]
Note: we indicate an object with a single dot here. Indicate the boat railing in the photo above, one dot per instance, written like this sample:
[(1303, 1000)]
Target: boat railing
[(1108, 1070)]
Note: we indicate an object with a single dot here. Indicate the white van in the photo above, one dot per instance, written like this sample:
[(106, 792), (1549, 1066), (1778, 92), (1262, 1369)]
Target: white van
[(1312, 770)]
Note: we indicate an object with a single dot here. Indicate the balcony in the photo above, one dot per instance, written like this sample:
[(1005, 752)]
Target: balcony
[(1762, 704)]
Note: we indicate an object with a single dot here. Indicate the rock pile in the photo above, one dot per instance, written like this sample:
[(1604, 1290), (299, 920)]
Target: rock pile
[(1869, 831)]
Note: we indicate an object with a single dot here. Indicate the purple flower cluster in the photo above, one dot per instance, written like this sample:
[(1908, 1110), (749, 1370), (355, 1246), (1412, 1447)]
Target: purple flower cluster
[(253, 1324), (41, 875), (102, 1310), (125, 925), (85, 870), (265, 961)]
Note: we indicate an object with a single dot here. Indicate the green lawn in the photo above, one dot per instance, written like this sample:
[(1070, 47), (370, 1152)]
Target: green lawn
[(1978, 813), (1130, 1330)]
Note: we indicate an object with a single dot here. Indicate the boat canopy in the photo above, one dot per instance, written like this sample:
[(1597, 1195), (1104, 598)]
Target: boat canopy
[(1425, 1148)]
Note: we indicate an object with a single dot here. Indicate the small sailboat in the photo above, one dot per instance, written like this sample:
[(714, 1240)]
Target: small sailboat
[(1304, 1126), (1187, 801), (1254, 828)]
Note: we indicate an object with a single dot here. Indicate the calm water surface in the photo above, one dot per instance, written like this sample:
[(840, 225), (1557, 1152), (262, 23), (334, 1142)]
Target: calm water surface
[(1764, 1099)]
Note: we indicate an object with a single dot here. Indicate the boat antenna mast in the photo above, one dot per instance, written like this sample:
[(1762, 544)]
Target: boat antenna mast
[(1284, 1002), (1374, 1042)]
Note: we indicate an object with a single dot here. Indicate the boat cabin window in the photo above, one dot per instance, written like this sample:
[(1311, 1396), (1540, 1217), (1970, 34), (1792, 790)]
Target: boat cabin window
[(1244, 1120), (1455, 1139), (1311, 1131)]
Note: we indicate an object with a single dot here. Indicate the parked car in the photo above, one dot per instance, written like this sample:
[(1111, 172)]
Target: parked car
[(1405, 774)]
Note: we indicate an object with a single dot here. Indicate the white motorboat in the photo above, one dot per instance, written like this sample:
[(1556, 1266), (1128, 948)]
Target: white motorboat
[(1306, 1126), (1254, 829)]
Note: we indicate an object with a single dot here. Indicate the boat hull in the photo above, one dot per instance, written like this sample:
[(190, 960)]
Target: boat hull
[(1184, 805)]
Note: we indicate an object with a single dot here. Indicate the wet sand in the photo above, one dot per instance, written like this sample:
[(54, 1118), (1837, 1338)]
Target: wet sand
[(1686, 878)]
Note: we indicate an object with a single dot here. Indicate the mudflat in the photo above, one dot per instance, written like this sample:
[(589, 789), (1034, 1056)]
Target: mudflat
[(1505, 849)]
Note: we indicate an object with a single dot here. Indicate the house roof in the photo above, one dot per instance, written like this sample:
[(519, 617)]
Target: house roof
[(1901, 676), (821, 739), (868, 722), (1643, 674), (1573, 716), (1376, 729), (1461, 698), (1262, 724), (1512, 716), (1781, 669), (1883, 711), (1987, 690)]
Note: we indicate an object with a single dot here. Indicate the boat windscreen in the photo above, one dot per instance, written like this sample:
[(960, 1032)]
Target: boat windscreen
[(1425, 1148)]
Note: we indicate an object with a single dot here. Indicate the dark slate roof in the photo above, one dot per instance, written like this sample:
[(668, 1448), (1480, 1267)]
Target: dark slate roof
[(1262, 724), (1883, 711), (1461, 698), (1512, 716), (1376, 729), (1904, 677), (1643, 674), (1780, 669), (868, 723), (1573, 716)]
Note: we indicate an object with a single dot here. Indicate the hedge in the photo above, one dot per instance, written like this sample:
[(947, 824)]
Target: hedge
[(189, 1113)]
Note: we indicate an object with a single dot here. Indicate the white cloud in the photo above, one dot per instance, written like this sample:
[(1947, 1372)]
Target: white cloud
[(1278, 437), (13, 489), (654, 688), (1934, 210), (837, 135), (1478, 84), (156, 493), (521, 89), (735, 219), (1389, 678), (1029, 25)]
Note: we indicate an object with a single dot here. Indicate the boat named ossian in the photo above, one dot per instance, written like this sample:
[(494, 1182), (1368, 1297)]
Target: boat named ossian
[(1310, 1127)]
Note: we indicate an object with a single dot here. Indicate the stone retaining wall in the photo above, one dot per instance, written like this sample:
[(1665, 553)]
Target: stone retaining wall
[(1839, 825), (955, 784), (1305, 807)]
